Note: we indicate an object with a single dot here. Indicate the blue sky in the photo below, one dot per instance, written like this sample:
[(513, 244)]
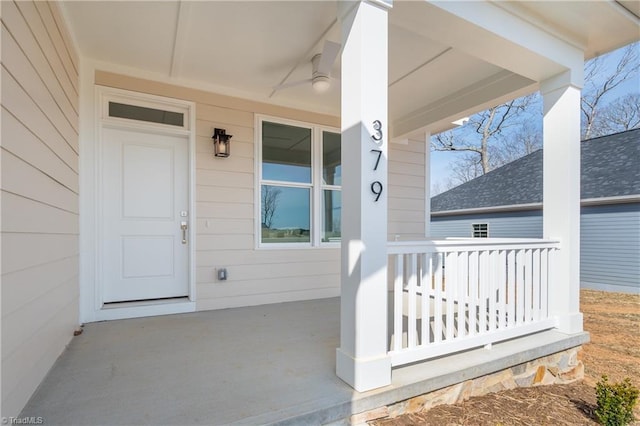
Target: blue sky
[(442, 162)]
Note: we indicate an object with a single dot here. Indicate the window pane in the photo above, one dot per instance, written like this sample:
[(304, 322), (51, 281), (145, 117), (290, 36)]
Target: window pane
[(331, 169), (331, 210), (133, 112), (286, 153), (285, 214)]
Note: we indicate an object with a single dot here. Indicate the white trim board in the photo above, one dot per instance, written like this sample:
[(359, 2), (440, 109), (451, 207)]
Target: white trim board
[(140, 310)]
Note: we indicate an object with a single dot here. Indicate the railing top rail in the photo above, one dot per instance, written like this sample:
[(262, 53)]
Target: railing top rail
[(468, 244)]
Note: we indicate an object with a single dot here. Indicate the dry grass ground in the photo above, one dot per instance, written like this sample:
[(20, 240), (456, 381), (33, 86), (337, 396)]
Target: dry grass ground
[(613, 319)]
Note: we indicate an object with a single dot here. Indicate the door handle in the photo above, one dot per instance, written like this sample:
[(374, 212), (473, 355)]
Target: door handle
[(184, 227)]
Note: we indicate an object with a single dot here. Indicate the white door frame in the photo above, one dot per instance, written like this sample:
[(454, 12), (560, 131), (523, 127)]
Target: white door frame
[(92, 307)]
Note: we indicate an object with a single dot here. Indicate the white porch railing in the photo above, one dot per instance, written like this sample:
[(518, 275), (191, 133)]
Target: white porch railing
[(456, 294)]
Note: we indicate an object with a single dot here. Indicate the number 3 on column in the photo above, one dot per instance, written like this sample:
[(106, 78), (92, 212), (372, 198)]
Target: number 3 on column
[(377, 126)]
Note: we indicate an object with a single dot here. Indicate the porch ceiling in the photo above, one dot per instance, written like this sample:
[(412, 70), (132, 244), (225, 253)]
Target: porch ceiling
[(245, 48)]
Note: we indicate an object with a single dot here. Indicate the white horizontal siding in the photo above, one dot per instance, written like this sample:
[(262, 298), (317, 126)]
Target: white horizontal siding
[(406, 183), (224, 226), (27, 146), (257, 272), (225, 210), (263, 257), (39, 196), (24, 215), (19, 104), (58, 271), (36, 352), (31, 183)]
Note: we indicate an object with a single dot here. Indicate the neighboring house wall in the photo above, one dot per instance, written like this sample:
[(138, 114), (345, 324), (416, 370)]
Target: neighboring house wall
[(525, 224), (225, 197), (609, 240), (610, 248), (39, 196)]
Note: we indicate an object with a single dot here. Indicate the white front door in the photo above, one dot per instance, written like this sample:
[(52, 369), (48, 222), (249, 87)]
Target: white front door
[(145, 201)]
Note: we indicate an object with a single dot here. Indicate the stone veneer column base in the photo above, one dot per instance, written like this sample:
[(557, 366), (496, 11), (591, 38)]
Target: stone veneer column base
[(559, 368)]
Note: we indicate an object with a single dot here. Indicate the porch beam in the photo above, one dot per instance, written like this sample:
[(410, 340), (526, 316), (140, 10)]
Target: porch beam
[(362, 359), (437, 116), (515, 42), (561, 193)]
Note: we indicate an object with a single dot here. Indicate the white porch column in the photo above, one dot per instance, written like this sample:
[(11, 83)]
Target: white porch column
[(561, 193), (427, 184), (361, 359)]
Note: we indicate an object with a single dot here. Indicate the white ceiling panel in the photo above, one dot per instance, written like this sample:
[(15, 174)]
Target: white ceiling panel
[(252, 45), (136, 34), (246, 48), (595, 25), (421, 88), (403, 41)]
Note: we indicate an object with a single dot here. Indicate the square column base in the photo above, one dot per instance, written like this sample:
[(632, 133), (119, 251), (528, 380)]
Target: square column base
[(570, 323), (363, 374)]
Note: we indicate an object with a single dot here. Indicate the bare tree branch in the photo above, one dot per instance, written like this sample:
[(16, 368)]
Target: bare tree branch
[(511, 130), (619, 115), (447, 141), (489, 125), (270, 195), (467, 168), (598, 84)]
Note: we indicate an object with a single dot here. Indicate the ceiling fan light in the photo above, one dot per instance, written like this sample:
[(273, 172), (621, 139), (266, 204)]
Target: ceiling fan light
[(321, 83)]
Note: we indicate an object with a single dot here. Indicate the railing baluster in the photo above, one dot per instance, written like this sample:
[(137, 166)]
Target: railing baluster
[(519, 287), (528, 285), (412, 322), (451, 266), (544, 281), (473, 292), (437, 300), (397, 302), (427, 274), (536, 284), (483, 274), (511, 288), (493, 286), (462, 294), (502, 289)]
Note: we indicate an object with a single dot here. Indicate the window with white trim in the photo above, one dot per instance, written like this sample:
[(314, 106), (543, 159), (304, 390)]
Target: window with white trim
[(300, 177), (480, 230), (119, 106)]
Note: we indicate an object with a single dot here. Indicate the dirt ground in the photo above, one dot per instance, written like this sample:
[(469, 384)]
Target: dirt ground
[(613, 319)]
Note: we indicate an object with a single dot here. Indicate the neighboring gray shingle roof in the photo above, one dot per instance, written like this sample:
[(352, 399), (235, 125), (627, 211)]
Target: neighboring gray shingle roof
[(610, 167)]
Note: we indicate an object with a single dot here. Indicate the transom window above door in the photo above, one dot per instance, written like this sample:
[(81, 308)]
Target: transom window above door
[(120, 107), (300, 175), (152, 115)]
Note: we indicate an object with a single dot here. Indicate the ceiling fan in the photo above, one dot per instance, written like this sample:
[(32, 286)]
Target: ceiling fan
[(321, 68)]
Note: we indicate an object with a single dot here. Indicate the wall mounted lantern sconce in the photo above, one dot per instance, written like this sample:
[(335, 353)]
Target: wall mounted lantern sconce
[(221, 143)]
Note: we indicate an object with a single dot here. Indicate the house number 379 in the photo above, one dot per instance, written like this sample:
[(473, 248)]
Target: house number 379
[(376, 186)]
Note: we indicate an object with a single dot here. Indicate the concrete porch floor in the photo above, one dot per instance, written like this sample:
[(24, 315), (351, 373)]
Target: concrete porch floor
[(246, 366)]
